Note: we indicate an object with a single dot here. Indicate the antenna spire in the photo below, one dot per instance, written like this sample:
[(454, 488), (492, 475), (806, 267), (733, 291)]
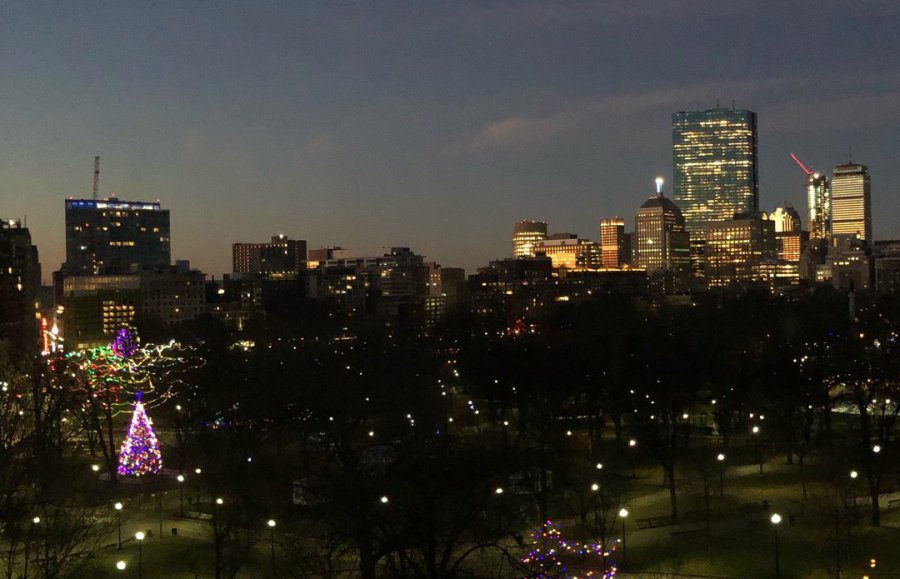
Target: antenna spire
[(96, 176)]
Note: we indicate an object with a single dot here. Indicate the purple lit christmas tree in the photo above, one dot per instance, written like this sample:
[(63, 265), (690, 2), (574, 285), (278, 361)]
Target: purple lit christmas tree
[(140, 450)]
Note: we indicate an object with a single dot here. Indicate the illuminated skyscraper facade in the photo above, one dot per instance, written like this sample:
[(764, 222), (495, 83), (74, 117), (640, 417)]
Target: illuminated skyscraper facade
[(20, 284), (661, 241), (282, 258), (818, 200), (786, 218), (740, 251), (613, 243), (525, 234), (851, 204), (568, 252), (714, 155), (112, 236)]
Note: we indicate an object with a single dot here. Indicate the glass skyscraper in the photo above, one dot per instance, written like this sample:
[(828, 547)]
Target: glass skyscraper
[(114, 236), (715, 162), (851, 201)]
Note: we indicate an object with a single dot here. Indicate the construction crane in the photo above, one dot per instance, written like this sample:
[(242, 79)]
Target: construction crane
[(793, 156), (97, 176)]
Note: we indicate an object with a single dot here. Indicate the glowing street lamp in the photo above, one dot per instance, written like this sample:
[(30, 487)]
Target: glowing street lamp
[(776, 520), (271, 524), (384, 500), (121, 565), (623, 514), (498, 491), (140, 540), (118, 507), (180, 479), (633, 444), (720, 458)]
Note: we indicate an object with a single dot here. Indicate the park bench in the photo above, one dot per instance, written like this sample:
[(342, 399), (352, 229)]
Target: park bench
[(654, 522), (893, 503)]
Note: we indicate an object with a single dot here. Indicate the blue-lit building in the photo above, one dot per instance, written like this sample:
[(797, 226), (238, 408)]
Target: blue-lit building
[(714, 155), (112, 236)]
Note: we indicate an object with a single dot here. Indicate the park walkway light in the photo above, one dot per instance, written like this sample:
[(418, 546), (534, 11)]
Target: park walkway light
[(776, 520), (623, 514), (121, 565)]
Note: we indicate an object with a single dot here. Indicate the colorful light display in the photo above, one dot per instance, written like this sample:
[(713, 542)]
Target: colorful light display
[(125, 344), (140, 450), (552, 556)]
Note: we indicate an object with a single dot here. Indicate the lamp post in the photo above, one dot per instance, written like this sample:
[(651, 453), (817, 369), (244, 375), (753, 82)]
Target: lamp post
[(633, 444), (118, 507), (758, 448), (34, 523), (623, 514), (140, 540), (180, 479), (121, 565), (271, 524), (198, 472), (721, 460), (776, 520)]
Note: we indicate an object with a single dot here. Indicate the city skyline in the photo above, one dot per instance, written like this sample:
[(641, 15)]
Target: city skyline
[(356, 116)]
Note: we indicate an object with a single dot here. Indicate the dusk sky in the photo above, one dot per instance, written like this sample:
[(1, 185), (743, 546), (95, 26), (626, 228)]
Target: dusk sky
[(424, 124)]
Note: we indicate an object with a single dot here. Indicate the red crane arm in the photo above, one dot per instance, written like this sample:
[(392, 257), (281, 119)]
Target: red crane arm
[(802, 166)]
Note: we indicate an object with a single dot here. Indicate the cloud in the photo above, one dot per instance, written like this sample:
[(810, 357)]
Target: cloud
[(628, 120)]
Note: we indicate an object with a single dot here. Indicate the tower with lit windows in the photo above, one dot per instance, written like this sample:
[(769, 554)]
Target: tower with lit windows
[(526, 234), (851, 203), (714, 154), (114, 237)]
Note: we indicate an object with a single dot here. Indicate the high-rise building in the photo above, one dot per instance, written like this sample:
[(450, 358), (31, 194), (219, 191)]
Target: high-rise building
[(851, 204), (113, 236), (525, 235), (887, 266), (612, 242), (20, 283), (788, 233), (661, 242), (786, 218), (741, 251), (569, 252), (282, 258), (714, 155), (818, 199)]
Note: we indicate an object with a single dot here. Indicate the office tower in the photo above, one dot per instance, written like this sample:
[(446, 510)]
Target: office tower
[(788, 234), (446, 287), (566, 250), (115, 236), (851, 204), (612, 242), (818, 198), (848, 265), (525, 235), (741, 251), (20, 283), (715, 162), (818, 202), (887, 266), (661, 242), (786, 218), (282, 258), (391, 285)]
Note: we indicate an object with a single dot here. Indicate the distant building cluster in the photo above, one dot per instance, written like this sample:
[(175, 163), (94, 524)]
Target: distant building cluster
[(710, 235)]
